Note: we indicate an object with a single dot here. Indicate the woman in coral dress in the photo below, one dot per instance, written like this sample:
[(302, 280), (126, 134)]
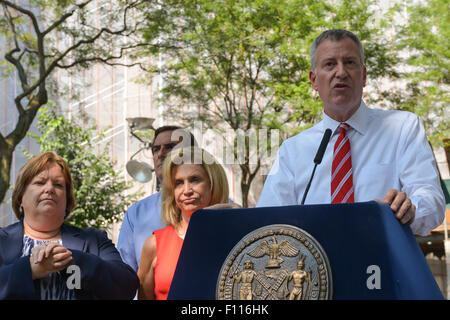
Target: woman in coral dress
[(187, 187)]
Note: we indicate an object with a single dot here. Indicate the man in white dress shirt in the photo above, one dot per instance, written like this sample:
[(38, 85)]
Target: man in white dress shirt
[(391, 160)]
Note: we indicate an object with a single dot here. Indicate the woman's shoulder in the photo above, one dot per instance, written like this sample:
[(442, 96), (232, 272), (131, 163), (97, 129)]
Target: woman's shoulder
[(149, 245), (151, 242), (10, 229), (85, 233), (73, 229), (163, 231)]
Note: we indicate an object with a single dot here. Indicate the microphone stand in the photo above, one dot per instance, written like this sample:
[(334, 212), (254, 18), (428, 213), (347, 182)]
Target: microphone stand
[(309, 183), (318, 159)]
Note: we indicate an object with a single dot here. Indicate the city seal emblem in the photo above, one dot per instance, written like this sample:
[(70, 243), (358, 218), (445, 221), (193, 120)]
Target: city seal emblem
[(276, 262)]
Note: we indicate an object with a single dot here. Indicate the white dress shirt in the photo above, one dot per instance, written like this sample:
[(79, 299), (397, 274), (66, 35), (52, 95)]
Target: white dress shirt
[(389, 150)]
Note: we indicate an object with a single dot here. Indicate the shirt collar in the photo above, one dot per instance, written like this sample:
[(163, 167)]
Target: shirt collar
[(358, 121)]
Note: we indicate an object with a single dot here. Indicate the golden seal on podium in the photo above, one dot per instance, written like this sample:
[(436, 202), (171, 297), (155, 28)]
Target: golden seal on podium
[(276, 262)]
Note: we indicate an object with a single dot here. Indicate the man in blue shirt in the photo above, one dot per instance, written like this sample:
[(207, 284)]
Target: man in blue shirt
[(143, 217)]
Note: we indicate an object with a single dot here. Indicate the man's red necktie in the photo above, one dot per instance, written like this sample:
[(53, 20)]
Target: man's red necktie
[(341, 169)]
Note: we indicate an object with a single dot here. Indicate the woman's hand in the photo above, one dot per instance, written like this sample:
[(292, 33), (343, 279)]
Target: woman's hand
[(46, 259)]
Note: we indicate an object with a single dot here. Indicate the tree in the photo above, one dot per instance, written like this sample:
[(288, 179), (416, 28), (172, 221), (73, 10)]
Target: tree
[(45, 35), (243, 64), (426, 51), (100, 191)]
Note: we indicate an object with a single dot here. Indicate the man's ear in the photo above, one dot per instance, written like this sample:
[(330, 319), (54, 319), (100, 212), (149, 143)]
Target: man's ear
[(364, 75), (312, 78)]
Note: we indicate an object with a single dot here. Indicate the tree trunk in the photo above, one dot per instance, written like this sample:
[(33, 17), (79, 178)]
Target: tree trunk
[(8, 145), (247, 178), (6, 153), (245, 189)]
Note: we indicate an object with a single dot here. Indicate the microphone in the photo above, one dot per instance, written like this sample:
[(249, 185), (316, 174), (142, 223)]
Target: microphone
[(318, 158)]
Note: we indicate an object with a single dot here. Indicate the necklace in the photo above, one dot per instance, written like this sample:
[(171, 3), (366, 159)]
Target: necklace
[(181, 235)]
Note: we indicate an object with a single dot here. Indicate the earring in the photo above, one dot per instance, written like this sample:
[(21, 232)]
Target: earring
[(21, 210)]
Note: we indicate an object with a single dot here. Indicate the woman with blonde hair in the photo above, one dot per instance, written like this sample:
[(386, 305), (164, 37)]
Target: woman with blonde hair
[(193, 180)]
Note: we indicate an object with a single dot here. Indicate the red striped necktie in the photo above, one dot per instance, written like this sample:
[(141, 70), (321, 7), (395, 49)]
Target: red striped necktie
[(341, 169)]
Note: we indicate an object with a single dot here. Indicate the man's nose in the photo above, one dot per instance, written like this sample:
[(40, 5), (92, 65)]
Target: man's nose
[(160, 154), (341, 72), (163, 151)]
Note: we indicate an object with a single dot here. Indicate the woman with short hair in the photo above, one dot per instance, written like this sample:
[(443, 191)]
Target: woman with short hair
[(36, 251)]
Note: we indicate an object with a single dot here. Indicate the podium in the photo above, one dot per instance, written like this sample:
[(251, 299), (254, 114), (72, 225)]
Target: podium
[(359, 239)]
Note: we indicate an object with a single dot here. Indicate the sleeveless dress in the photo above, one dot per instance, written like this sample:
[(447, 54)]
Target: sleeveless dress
[(168, 247)]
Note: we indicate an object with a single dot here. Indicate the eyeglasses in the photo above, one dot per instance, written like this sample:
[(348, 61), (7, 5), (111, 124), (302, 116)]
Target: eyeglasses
[(167, 147)]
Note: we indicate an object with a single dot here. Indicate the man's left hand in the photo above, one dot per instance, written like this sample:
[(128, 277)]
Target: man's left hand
[(401, 205)]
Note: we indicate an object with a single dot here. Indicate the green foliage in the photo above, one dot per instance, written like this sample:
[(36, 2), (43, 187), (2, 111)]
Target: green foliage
[(244, 64), (42, 36), (358, 17), (100, 191), (424, 42)]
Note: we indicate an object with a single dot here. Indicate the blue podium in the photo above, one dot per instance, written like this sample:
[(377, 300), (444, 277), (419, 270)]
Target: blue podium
[(354, 236)]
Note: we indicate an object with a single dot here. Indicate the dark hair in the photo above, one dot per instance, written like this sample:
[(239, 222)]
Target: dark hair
[(182, 131), (335, 35)]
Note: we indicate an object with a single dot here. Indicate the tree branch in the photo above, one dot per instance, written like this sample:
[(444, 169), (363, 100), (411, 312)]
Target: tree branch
[(106, 60), (9, 56), (29, 13), (65, 17), (41, 57)]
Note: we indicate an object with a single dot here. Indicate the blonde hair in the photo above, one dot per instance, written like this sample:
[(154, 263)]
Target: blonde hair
[(171, 214), (31, 169)]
